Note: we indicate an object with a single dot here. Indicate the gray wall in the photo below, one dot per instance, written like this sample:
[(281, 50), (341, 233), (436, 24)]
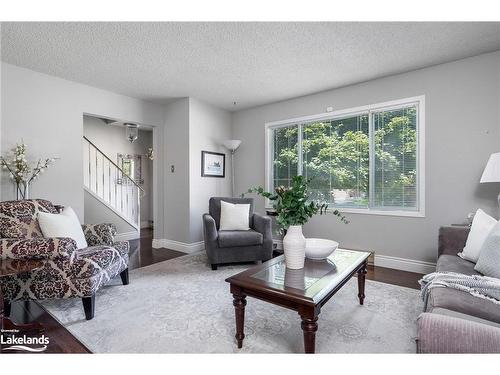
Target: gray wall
[(174, 200), (208, 128), (47, 112), (111, 140), (190, 127), (462, 130)]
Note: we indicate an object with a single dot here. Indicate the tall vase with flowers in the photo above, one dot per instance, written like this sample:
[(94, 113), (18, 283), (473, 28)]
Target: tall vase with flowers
[(294, 209), (21, 172)]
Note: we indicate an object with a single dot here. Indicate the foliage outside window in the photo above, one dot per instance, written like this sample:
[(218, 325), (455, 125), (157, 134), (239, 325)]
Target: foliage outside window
[(367, 160)]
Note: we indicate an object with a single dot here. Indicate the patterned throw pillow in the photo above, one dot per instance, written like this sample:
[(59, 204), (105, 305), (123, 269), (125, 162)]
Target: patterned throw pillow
[(18, 219), (489, 257)]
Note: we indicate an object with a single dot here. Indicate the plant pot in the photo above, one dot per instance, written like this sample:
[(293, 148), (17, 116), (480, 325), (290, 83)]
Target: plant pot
[(294, 247)]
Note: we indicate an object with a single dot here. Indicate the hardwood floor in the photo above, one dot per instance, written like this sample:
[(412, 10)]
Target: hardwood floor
[(61, 340), (395, 277), (141, 255)]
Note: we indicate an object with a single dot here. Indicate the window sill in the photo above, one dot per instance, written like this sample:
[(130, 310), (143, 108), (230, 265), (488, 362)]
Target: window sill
[(381, 212), (360, 211)]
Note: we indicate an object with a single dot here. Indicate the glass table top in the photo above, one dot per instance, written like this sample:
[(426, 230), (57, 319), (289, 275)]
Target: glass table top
[(337, 266)]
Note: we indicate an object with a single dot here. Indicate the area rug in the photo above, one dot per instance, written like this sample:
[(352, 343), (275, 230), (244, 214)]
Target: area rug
[(182, 306)]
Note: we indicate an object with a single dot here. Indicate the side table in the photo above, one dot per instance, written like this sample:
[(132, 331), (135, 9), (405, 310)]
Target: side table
[(11, 267)]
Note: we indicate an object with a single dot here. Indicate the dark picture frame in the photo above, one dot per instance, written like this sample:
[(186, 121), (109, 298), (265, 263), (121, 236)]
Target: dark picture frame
[(132, 166), (210, 164)]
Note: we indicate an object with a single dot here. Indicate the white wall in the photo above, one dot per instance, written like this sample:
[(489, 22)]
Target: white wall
[(111, 140), (208, 128), (47, 113), (462, 129), (190, 127)]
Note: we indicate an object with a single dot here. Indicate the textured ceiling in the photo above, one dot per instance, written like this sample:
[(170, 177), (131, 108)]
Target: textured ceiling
[(247, 63)]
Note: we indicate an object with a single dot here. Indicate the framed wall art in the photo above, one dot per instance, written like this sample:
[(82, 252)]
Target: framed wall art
[(213, 164)]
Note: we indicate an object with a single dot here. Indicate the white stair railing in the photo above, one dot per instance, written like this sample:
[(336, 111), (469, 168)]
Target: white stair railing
[(107, 182)]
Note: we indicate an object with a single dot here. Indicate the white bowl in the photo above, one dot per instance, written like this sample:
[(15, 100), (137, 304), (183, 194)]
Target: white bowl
[(319, 249)]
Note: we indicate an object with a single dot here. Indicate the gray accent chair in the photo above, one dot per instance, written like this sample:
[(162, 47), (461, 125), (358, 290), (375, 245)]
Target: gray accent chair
[(232, 246), (456, 321)]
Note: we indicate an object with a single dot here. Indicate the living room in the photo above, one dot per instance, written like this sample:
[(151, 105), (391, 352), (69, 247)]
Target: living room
[(310, 186)]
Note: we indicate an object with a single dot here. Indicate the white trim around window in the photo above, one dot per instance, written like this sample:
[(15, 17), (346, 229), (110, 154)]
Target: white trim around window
[(372, 108)]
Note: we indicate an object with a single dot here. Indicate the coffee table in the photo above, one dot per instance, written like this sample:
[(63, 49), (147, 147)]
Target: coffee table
[(305, 290)]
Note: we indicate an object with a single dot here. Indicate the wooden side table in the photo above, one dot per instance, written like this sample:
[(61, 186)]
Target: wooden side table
[(11, 267)]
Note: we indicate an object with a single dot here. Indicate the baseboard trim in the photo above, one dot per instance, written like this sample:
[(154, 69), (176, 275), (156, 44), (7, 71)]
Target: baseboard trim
[(127, 236), (396, 263), (404, 264), (178, 246)]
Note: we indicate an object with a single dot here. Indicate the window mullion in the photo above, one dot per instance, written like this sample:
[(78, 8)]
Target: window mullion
[(299, 150), (272, 136), (371, 162)]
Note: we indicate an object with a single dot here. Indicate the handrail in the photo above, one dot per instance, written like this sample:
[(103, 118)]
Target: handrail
[(112, 162)]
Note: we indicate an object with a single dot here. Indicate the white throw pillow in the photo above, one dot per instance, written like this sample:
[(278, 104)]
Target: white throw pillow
[(481, 227), (65, 224), (234, 216)]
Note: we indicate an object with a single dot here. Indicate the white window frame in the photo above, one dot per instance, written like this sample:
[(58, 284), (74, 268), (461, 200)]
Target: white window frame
[(419, 101)]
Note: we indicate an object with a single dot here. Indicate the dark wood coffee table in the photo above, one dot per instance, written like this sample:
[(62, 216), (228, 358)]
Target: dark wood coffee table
[(10, 267), (305, 290)]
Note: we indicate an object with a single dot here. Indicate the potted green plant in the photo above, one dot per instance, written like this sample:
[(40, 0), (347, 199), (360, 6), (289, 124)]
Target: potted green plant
[(294, 209)]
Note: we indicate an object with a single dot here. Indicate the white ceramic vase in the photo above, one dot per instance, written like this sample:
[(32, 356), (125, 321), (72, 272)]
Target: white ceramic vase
[(294, 247)]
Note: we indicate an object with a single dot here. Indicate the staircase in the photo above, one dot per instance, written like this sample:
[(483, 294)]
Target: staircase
[(109, 184)]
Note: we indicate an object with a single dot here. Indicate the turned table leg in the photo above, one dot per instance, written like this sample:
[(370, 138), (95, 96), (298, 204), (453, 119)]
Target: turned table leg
[(309, 328), (361, 283), (239, 303)]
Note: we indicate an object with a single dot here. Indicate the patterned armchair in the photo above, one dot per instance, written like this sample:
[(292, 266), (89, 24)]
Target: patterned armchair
[(67, 272)]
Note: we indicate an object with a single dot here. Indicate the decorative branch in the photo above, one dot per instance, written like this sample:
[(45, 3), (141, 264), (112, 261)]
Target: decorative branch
[(20, 171)]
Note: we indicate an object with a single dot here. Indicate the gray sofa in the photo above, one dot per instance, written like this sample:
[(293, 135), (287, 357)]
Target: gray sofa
[(455, 321), (227, 246)]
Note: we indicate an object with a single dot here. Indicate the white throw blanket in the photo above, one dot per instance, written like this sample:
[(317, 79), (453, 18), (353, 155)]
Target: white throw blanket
[(476, 285)]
